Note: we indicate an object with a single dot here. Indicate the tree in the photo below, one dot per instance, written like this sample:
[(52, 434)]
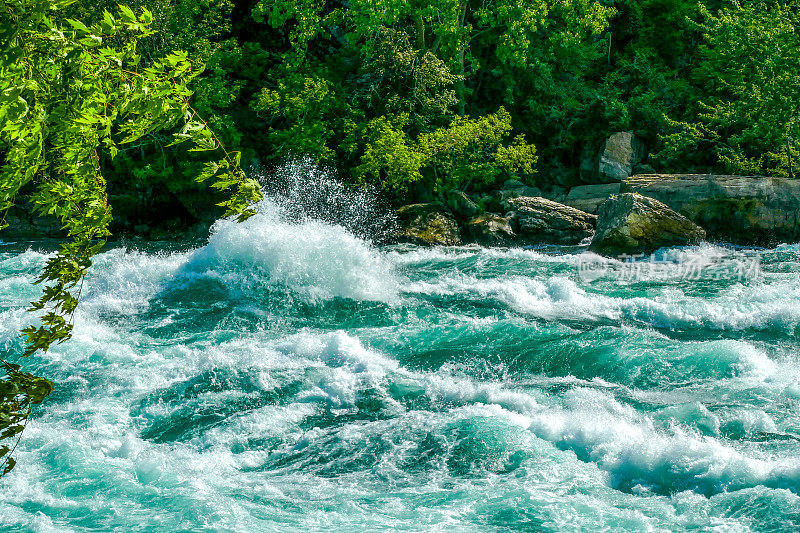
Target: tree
[(467, 152), (373, 86), (147, 180), (750, 69), (68, 93)]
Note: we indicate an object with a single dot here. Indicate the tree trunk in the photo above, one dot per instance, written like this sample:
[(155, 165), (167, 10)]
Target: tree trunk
[(461, 85), (420, 26)]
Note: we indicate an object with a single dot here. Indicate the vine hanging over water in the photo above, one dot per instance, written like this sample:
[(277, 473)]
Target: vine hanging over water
[(69, 91)]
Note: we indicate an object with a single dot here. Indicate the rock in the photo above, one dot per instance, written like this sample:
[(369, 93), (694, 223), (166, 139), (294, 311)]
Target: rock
[(24, 224), (515, 188), (490, 229), (507, 194), (556, 194), (589, 197), (589, 192), (539, 220), (737, 209), (460, 205), (622, 151), (634, 224), (427, 224), (492, 202)]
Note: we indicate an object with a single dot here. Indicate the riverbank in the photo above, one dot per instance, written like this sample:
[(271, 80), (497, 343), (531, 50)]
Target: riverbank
[(742, 210)]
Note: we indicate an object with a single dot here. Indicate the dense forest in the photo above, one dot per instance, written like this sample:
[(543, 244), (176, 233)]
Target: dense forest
[(418, 97)]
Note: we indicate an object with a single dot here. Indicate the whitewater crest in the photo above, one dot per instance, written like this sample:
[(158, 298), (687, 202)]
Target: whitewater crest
[(319, 260), (312, 235)]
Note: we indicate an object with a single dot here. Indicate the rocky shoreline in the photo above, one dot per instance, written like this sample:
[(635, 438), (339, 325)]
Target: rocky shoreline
[(619, 205), (637, 215)]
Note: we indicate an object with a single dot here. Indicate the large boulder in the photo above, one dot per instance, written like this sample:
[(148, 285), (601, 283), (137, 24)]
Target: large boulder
[(427, 224), (589, 197), (737, 209), (621, 152), (490, 229), (539, 220), (634, 224)]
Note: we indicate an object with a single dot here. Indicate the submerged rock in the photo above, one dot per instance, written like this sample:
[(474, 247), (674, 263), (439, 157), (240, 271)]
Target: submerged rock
[(490, 229), (737, 209), (539, 220), (427, 224), (634, 224), (621, 152)]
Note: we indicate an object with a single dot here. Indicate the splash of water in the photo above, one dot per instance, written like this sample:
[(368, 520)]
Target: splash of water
[(321, 260), (304, 190)]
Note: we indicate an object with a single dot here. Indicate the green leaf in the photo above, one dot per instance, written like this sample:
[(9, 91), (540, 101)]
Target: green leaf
[(79, 26)]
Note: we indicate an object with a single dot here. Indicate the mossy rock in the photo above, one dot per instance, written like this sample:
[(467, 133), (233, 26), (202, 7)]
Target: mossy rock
[(538, 220), (634, 224), (427, 224), (490, 229)]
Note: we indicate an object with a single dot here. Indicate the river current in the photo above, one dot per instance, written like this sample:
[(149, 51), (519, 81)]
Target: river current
[(289, 375)]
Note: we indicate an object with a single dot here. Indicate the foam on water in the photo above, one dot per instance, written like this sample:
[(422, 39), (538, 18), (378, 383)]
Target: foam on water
[(218, 388), (320, 260), (738, 307)]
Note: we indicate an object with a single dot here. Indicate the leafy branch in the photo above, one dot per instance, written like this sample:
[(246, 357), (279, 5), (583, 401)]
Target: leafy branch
[(66, 95)]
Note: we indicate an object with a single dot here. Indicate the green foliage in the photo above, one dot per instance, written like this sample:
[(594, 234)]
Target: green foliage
[(70, 92), (304, 106), (471, 150), (390, 158), (750, 116), (644, 77), (464, 153), (19, 392), (328, 80), (399, 93), (148, 169)]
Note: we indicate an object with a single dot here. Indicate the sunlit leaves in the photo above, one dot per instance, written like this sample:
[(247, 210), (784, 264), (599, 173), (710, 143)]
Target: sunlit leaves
[(359, 84), (750, 67), (67, 93), (466, 151), (389, 159), (19, 392)]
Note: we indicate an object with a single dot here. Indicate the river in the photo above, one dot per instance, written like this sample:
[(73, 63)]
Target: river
[(289, 375)]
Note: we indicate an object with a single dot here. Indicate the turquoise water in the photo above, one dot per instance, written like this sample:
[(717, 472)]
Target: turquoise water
[(290, 376)]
